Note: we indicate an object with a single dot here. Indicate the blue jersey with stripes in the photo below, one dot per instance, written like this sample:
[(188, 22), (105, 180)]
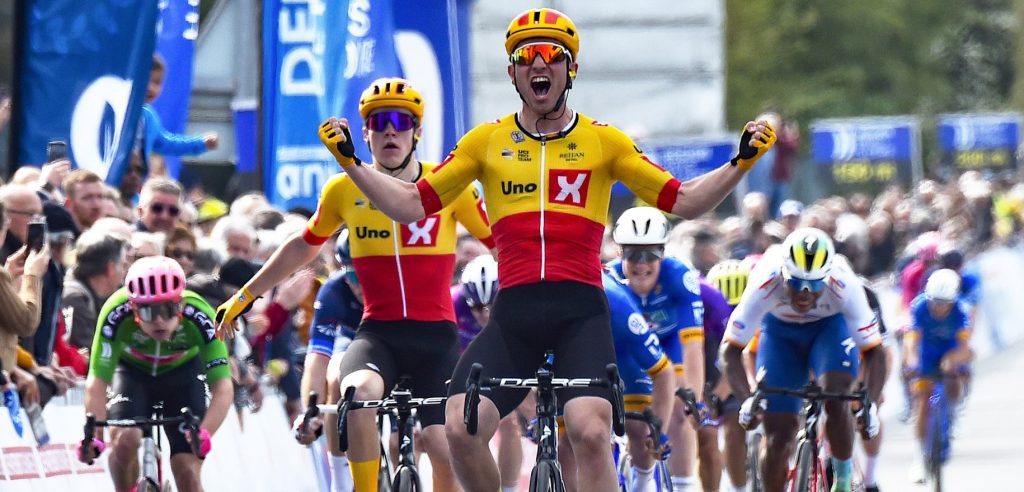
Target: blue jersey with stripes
[(637, 350), (336, 315), (675, 302)]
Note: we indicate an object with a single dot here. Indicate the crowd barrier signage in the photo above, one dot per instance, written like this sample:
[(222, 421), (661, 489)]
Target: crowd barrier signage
[(866, 154)]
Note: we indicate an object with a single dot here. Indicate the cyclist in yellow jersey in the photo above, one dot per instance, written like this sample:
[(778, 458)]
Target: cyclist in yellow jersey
[(547, 172), (408, 325)]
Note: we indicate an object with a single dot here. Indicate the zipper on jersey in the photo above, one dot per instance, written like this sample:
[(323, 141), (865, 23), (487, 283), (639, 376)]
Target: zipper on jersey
[(395, 232), (543, 246), (156, 357)]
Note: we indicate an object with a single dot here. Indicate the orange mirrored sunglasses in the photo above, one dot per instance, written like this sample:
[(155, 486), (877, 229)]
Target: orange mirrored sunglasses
[(549, 52)]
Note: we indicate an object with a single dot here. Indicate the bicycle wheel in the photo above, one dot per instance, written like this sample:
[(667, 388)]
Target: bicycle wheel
[(546, 478), (804, 467), (406, 480), (754, 463)]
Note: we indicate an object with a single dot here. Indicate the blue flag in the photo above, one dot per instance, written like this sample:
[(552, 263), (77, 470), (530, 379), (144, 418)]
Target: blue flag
[(83, 76), (176, 39), (316, 66)]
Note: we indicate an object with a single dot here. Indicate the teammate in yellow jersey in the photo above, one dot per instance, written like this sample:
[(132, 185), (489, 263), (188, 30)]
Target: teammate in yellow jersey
[(547, 172), (408, 325)]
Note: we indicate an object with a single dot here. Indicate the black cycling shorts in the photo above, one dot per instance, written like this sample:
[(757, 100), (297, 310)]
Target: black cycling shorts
[(570, 318), (426, 351), (133, 393)]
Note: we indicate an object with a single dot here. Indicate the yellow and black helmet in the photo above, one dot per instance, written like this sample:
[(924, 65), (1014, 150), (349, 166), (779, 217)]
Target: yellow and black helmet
[(543, 23), (730, 277), (808, 254), (391, 92)]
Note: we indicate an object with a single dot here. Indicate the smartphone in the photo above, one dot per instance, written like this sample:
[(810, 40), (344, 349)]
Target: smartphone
[(56, 150), (36, 235)]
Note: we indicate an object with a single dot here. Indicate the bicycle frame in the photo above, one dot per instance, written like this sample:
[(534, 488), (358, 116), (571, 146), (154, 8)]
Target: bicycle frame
[(151, 468), (547, 472), (939, 420)]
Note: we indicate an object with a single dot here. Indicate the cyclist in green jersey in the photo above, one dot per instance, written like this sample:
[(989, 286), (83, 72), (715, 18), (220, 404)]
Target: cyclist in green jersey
[(153, 339)]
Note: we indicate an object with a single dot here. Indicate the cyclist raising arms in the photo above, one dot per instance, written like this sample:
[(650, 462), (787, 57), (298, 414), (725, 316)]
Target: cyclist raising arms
[(547, 210), (153, 340), (937, 345), (667, 291), (408, 325), (813, 315)]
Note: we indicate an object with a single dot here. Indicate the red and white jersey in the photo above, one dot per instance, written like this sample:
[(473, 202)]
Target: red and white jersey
[(766, 293)]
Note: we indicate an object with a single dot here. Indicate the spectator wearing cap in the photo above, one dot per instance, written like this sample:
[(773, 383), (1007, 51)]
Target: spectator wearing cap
[(210, 211), (159, 205), (83, 197), (789, 214), (99, 271)]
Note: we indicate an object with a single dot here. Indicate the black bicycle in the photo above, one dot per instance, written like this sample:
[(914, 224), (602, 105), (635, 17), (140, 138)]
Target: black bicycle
[(151, 479), (400, 406), (547, 474), (809, 474)]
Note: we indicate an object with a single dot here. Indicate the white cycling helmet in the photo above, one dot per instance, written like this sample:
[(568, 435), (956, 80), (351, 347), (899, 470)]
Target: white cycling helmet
[(942, 286), (808, 254), (641, 226), (480, 281)]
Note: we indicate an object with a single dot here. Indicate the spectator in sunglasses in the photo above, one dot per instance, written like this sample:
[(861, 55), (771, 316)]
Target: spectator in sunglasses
[(159, 205), (181, 247)]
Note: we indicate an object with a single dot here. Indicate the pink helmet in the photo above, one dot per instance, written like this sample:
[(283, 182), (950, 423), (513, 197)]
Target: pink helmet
[(154, 279)]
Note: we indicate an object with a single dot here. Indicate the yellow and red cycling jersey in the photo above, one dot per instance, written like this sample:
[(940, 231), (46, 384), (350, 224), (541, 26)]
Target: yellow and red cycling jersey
[(404, 269), (547, 197)]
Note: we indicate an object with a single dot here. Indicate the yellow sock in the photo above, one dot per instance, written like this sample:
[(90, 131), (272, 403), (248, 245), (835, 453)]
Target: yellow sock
[(364, 474)]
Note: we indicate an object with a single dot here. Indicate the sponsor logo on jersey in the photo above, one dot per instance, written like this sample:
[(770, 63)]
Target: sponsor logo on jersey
[(691, 282), (637, 324), (572, 146), (363, 232), (649, 161), (513, 188), (106, 351), (568, 187), (598, 123), (421, 233), (506, 153), (108, 331), (517, 136), (523, 155)]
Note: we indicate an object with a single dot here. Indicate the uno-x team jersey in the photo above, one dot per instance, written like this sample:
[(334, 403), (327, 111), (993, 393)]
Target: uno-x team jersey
[(547, 197), (405, 269), (765, 293), (120, 339), (674, 306), (336, 315)]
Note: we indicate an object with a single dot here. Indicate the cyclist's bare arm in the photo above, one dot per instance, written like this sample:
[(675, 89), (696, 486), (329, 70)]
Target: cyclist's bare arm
[(663, 392), (703, 193), (693, 362), (288, 257), (731, 356), (96, 399), (398, 199), (314, 376), (874, 371), (222, 396)]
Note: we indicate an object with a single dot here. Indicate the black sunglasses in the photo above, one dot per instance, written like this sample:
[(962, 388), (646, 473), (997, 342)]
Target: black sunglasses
[(158, 208), (643, 255), (182, 253)]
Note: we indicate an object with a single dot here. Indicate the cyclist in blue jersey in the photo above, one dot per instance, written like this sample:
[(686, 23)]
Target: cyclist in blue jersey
[(336, 315), (667, 291), (473, 297), (936, 345), (648, 382)]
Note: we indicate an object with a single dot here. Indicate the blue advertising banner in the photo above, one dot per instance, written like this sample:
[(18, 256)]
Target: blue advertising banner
[(316, 67), (433, 47), (687, 159), (866, 154), (83, 75), (979, 141), (177, 31)]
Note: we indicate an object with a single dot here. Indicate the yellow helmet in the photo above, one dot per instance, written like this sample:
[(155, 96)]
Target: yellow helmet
[(543, 23), (391, 92), (730, 277)]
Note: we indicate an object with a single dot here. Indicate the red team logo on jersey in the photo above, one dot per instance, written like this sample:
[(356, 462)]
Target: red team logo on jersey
[(422, 233), (568, 187)]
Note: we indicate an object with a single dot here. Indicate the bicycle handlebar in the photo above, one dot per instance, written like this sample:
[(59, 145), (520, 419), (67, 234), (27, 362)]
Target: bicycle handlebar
[(187, 417)]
